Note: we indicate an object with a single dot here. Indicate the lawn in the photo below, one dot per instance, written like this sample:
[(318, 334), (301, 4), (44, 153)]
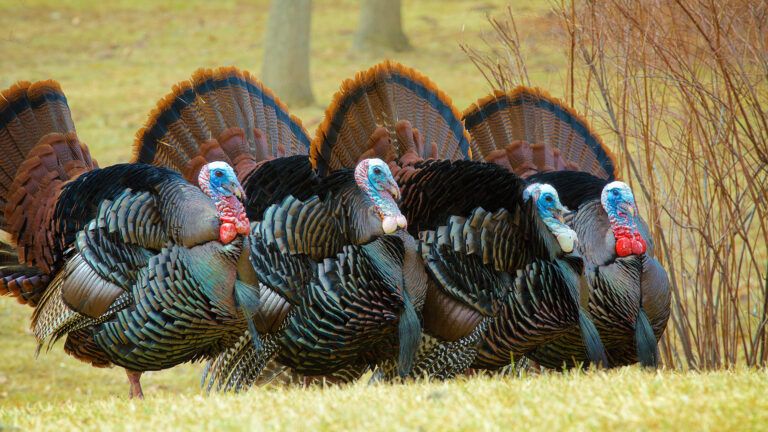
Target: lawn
[(625, 399), (116, 59)]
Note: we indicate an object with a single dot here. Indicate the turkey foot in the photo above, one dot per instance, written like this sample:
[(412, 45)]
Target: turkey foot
[(134, 380)]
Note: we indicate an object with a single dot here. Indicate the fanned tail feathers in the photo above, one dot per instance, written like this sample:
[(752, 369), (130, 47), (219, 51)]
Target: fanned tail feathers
[(388, 101), (40, 154), (529, 131), (219, 114)]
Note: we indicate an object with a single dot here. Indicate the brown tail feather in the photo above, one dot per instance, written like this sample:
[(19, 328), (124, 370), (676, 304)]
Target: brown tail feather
[(220, 114), (24, 283), (388, 101), (44, 153), (529, 131)]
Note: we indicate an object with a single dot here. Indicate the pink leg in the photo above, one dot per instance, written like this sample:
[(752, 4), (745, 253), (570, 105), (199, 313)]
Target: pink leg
[(134, 380)]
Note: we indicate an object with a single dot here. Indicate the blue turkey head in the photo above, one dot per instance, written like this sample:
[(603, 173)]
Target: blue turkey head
[(222, 181), (551, 211), (375, 179), (619, 203), (219, 182)]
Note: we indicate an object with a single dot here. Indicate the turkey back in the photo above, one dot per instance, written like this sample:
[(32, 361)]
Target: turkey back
[(222, 114), (528, 131), (41, 153), (388, 101)]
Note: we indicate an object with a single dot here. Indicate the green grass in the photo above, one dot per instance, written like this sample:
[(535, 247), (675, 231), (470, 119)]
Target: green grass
[(627, 399)]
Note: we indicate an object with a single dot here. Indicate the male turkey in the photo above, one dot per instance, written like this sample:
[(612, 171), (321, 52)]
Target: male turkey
[(499, 276), (337, 273), (540, 138), (134, 265)]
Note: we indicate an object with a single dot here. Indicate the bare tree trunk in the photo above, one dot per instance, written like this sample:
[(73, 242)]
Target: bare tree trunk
[(286, 51), (380, 26)]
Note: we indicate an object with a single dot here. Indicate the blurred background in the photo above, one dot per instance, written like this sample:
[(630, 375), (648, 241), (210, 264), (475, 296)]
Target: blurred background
[(116, 59)]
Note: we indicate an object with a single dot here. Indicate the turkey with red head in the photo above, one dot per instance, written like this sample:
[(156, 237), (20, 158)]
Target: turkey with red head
[(339, 277), (134, 265), (502, 279), (541, 139)]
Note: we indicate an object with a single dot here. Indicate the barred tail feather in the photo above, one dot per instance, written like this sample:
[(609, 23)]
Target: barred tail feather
[(240, 366), (25, 283), (53, 318), (529, 131), (388, 101), (219, 114), (40, 154)]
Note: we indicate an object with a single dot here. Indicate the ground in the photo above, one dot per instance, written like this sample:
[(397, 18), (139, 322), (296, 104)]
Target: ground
[(116, 59), (624, 399)]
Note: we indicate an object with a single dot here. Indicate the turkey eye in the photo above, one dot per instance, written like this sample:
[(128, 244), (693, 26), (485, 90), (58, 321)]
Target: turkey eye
[(218, 173), (615, 192), (548, 198), (377, 170)]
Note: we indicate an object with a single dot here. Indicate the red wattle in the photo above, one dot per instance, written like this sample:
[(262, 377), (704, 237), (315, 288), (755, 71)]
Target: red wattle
[(623, 246), (638, 244), (227, 232), (242, 224), (628, 242)]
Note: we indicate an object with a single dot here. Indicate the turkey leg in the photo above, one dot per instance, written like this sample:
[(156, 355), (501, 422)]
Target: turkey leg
[(134, 380)]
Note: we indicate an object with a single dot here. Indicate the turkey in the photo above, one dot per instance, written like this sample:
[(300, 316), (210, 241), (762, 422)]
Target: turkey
[(339, 278), (134, 265), (540, 138), (498, 255)]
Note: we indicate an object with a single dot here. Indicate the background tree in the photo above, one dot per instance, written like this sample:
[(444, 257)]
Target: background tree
[(380, 26), (286, 51)]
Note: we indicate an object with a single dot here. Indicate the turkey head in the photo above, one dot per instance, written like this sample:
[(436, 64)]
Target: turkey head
[(551, 211), (374, 178), (218, 181), (619, 203)]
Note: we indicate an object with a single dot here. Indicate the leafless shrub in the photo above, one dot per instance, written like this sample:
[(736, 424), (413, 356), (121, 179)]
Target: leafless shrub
[(681, 89)]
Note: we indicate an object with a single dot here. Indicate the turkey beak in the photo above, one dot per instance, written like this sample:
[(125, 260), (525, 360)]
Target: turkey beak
[(628, 209), (393, 190), (236, 190), (559, 213)]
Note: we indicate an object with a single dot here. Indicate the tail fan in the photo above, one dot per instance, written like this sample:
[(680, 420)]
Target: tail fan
[(647, 351), (528, 131), (219, 114), (41, 153), (388, 101), (592, 342)]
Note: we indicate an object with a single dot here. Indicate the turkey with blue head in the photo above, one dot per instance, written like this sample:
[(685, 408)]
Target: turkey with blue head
[(340, 279), (503, 280), (132, 264), (541, 139)]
